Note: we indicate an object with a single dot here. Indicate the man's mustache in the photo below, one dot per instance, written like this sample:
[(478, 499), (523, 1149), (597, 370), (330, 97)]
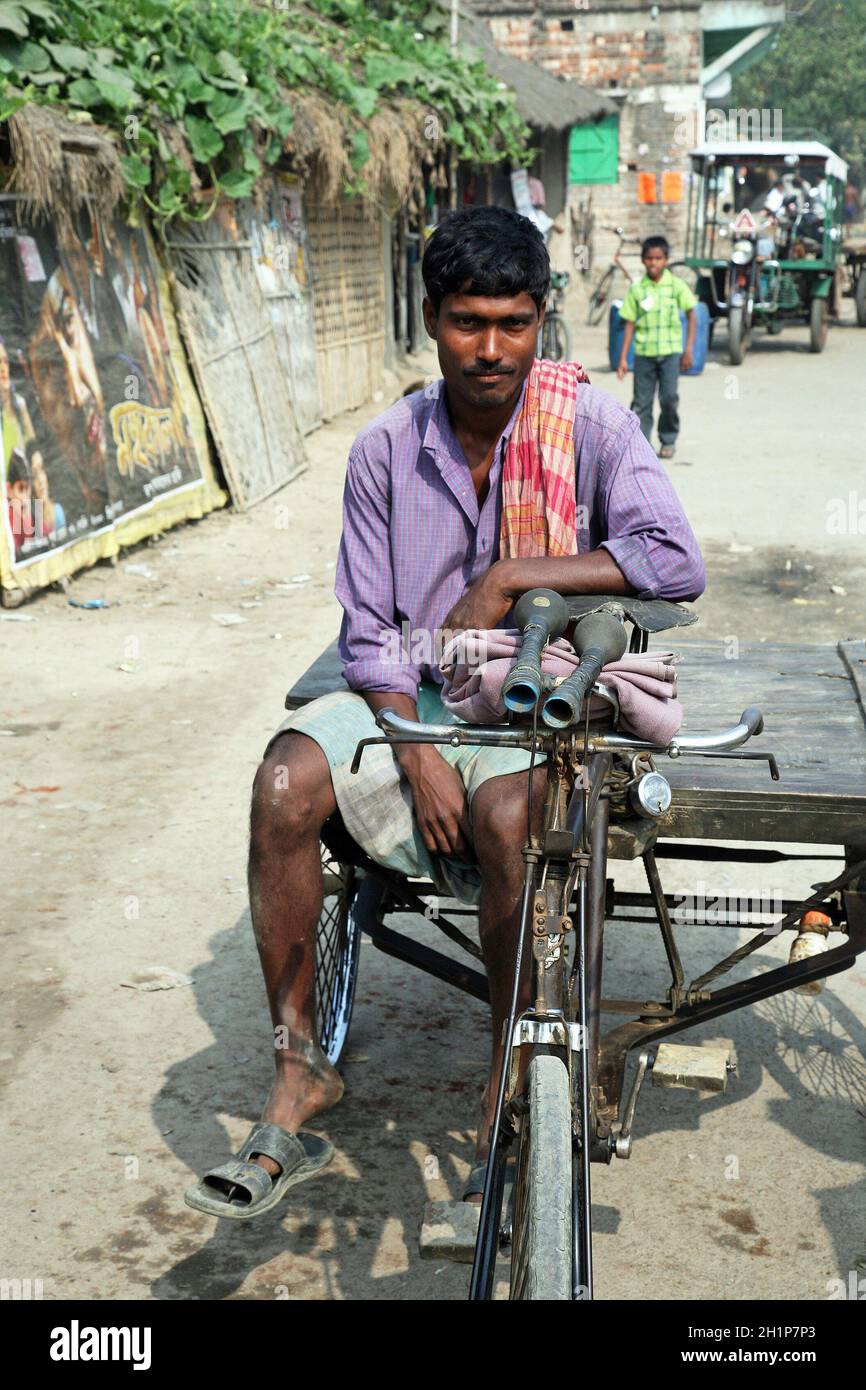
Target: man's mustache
[(489, 371)]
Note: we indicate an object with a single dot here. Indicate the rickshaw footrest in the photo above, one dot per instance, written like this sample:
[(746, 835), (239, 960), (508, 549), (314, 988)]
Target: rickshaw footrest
[(449, 1231), (693, 1068)]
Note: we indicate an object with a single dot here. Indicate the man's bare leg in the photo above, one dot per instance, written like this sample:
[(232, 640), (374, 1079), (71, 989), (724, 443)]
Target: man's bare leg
[(499, 826), (292, 798)]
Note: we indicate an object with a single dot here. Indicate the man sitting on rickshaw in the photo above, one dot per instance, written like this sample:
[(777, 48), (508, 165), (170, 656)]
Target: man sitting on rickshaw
[(506, 474)]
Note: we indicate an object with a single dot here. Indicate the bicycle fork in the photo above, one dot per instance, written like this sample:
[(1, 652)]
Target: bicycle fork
[(573, 857)]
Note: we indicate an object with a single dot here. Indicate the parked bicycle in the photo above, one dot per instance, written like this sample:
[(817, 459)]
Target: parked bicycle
[(582, 236), (603, 292), (555, 338)]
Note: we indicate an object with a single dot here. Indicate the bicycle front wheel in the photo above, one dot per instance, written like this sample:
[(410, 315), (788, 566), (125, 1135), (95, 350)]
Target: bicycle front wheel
[(541, 1241)]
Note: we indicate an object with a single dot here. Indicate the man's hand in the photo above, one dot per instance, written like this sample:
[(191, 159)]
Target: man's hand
[(438, 800), (686, 361), (484, 603), (438, 794), (622, 369)]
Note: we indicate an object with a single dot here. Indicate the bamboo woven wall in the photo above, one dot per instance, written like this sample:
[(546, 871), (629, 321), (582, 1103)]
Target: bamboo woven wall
[(346, 256), (236, 356)]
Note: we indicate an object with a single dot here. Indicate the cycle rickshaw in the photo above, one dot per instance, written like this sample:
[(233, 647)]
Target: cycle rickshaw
[(607, 799)]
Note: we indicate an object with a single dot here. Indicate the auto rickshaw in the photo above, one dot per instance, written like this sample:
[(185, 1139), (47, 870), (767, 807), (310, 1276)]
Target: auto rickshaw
[(765, 236)]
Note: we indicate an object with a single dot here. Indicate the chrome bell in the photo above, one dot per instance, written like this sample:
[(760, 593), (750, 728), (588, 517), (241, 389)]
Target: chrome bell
[(651, 795)]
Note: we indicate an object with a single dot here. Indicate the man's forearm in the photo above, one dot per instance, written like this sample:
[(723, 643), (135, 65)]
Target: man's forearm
[(594, 573), (626, 342), (408, 755)]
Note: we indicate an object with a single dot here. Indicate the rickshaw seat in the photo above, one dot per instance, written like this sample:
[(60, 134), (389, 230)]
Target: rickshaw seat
[(340, 844), (649, 614)]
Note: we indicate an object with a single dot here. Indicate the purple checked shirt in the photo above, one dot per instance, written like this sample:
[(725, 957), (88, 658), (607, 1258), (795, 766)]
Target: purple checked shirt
[(414, 538)]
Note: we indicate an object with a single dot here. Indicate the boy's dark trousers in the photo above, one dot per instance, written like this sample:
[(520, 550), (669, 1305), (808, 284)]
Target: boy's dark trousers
[(665, 371)]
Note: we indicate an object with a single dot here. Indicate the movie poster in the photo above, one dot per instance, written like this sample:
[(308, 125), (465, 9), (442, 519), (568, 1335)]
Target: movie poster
[(93, 428)]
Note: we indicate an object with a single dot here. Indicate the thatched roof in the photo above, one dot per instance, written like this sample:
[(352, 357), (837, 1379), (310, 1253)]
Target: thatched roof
[(543, 100), (316, 147), (59, 164)]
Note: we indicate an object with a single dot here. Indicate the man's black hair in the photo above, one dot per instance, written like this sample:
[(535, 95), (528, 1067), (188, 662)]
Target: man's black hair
[(486, 250), (655, 243)]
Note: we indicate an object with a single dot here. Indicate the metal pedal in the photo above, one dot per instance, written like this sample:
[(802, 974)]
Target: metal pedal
[(693, 1068), (448, 1231)]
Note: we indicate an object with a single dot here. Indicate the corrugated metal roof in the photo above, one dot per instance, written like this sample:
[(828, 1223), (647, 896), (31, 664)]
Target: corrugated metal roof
[(774, 149)]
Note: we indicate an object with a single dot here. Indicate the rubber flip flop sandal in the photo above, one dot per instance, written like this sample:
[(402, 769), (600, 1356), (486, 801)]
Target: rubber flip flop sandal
[(241, 1190)]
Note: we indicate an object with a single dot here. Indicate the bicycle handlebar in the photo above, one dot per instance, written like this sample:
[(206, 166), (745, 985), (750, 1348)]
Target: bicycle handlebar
[(620, 232), (521, 735)]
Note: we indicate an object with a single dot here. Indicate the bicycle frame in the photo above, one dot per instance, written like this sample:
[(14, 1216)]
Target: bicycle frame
[(599, 296)]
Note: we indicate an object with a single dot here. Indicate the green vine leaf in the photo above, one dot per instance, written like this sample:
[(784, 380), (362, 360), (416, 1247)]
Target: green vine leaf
[(14, 20), (204, 140)]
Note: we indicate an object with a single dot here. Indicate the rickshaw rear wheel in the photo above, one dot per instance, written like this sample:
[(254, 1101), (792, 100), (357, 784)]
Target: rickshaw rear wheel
[(818, 325), (338, 941), (541, 1241), (738, 336)]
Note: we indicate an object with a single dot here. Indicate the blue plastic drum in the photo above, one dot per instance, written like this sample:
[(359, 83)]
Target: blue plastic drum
[(616, 333)]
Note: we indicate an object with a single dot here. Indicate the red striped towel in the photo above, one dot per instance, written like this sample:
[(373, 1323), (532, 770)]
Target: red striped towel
[(539, 512)]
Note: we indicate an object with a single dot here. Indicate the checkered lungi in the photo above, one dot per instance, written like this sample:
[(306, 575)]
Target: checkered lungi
[(376, 803)]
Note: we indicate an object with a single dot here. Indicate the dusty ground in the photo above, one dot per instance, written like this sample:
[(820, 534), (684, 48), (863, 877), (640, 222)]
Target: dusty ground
[(130, 739)]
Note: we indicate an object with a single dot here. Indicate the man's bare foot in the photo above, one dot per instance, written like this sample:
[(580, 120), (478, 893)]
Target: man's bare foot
[(305, 1085)]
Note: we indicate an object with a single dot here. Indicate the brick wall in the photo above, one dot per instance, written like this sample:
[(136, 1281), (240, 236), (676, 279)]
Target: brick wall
[(651, 68)]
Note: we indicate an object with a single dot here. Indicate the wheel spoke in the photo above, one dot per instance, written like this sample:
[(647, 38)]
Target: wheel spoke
[(337, 941)]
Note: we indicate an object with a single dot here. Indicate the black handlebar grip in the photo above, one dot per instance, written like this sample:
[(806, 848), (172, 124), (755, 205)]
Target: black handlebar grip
[(522, 686), (753, 719), (541, 615), (599, 638), (562, 706)]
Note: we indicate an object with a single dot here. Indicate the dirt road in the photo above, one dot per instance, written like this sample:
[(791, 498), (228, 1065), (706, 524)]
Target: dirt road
[(129, 737)]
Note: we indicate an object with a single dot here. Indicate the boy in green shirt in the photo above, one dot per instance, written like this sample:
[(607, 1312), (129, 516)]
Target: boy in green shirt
[(651, 311)]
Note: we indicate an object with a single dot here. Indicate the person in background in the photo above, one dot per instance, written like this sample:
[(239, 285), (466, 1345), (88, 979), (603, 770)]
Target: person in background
[(652, 318), (851, 209), (765, 250), (775, 198)]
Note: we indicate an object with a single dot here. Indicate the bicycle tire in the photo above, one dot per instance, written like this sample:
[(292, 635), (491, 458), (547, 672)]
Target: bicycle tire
[(542, 1222), (598, 298), (555, 338), (738, 336), (338, 941)]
